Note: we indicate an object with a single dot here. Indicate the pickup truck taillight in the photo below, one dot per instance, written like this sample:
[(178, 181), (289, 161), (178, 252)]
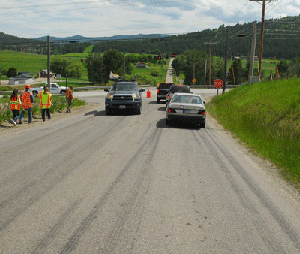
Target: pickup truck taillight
[(157, 90)]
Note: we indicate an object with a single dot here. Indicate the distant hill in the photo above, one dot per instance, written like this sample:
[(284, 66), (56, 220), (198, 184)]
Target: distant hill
[(82, 39), (10, 39)]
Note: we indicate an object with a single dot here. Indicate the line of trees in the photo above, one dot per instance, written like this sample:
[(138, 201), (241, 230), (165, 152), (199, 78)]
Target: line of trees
[(99, 66)]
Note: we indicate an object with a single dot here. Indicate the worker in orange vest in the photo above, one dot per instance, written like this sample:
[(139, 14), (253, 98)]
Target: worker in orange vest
[(26, 103), (45, 102), (70, 98), (14, 105)]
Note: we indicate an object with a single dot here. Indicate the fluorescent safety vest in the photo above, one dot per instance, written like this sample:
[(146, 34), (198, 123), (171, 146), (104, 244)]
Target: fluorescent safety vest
[(69, 93), (25, 98), (15, 103), (45, 100)]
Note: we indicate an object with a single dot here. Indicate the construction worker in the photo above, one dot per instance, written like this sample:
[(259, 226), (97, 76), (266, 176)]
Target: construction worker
[(45, 102), (70, 98), (26, 103), (14, 105)]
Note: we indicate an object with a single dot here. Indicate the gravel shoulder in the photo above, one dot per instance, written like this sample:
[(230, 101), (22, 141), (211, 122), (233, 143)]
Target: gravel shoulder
[(7, 128)]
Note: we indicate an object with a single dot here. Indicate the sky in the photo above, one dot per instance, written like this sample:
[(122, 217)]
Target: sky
[(105, 18)]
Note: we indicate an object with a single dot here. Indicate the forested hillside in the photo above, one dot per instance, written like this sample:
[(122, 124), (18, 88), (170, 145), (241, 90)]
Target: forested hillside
[(281, 40)]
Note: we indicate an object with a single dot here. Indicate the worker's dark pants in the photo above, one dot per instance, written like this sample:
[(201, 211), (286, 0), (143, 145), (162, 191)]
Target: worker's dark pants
[(47, 112), (16, 114), (29, 114), (69, 101)]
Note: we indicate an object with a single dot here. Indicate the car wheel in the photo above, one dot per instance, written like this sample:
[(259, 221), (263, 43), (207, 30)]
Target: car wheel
[(138, 110), (203, 125), (63, 93), (158, 101), (35, 93), (168, 122), (107, 111)]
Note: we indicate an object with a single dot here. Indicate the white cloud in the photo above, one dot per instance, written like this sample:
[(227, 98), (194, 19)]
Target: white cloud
[(93, 18)]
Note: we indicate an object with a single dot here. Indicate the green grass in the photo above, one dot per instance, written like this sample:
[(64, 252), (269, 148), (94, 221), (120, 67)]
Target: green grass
[(266, 117), (23, 61), (144, 75), (59, 103), (88, 49)]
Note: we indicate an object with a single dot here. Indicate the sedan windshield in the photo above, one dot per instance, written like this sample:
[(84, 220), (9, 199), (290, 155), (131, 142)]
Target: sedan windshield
[(191, 99)]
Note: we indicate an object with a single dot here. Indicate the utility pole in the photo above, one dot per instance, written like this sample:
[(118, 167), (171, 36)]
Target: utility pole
[(225, 64), (261, 34), (261, 38), (205, 63), (124, 66), (48, 62), (209, 78), (194, 71), (253, 47)]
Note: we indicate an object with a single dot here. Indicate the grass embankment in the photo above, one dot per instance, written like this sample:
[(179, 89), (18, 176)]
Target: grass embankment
[(266, 117), (59, 103)]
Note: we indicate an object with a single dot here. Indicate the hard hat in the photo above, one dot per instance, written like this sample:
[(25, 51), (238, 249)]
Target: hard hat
[(27, 86)]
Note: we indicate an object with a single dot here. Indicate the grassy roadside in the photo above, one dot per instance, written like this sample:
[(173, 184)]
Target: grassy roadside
[(266, 117), (59, 104)]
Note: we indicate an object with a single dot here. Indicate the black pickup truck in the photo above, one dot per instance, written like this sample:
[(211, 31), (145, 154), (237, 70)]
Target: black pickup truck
[(162, 91)]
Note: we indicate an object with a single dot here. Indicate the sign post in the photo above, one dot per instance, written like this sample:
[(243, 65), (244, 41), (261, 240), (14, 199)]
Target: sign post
[(218, 83)]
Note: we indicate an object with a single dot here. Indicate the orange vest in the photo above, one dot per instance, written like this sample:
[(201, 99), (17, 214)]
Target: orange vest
[(25, 98), (15, 103), (69, 93)]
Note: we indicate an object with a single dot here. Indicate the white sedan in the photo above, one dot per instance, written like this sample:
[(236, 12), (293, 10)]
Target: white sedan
[(187, 108)]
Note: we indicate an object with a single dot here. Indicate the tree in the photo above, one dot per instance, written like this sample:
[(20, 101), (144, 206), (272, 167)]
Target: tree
[(94, 64), (75, 70), (113, 61), (283, 68), (235, 72), (60, 65), (12, 72)]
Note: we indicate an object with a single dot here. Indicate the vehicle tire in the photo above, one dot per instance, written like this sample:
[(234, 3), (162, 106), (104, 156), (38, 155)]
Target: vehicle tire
[(138, 110), (168, 122), (35, 93), (203, 125), (158, 101), (63, 93), (108, 111)]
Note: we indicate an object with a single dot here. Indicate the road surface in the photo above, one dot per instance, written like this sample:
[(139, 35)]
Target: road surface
[(89, 183)]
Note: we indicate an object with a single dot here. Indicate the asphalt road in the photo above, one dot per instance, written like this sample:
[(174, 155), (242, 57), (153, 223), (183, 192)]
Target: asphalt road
[(91, 183)]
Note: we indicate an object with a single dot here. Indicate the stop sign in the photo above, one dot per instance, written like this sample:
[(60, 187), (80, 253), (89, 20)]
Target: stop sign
[(218, 83)]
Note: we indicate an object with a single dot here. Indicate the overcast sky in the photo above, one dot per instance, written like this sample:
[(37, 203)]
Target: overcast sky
[(101, 18)]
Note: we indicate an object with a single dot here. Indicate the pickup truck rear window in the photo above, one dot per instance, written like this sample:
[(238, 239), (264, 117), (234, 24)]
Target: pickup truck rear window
[(165, 85)]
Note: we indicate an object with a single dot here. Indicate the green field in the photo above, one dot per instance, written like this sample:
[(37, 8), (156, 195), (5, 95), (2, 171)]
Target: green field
[(34, 63), (23, 61), (266, 117)]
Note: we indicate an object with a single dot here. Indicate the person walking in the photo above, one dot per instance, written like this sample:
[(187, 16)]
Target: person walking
[(70, 98), (46, 102), (26, 103), (14, 105)]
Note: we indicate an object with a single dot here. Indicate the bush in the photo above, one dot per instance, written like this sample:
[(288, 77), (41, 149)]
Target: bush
[(154, 73)]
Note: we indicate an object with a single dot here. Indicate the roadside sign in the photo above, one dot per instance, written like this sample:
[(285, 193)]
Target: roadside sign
[(218, 83)]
